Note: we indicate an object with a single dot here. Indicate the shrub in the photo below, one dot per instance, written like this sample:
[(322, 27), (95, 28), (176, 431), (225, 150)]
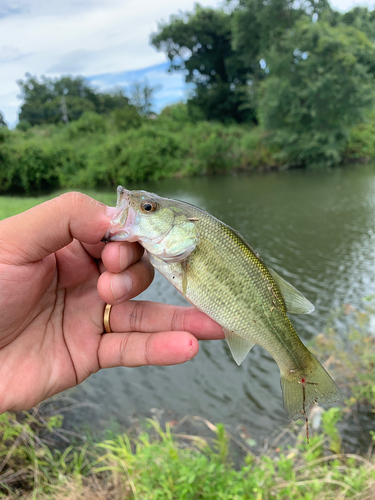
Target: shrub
[(134, 156), (126, 118), (88, 123)]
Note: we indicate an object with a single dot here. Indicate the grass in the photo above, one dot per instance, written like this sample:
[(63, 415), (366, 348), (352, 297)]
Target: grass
[(12, 205), (152, 463)]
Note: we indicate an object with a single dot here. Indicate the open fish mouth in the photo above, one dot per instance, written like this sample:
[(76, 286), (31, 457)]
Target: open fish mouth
[(123, 220)]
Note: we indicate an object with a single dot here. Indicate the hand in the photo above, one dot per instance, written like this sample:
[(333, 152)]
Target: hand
[(55, 278)]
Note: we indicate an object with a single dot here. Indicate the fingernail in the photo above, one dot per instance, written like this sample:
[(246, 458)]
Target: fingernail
[(121, 285), (110, 211)]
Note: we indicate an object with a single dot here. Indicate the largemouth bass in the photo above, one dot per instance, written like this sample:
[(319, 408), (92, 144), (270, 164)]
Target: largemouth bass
[(219, 273)]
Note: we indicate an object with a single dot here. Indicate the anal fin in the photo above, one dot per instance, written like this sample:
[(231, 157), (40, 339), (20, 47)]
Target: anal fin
[(239, 347)]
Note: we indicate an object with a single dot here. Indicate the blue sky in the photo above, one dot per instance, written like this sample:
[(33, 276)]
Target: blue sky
[(107, 41)]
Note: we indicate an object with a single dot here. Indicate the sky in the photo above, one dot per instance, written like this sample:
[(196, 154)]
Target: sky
[(106, 41)]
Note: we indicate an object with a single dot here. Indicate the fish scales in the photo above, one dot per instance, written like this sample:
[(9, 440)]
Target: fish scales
[(218, 272), (230, 284)]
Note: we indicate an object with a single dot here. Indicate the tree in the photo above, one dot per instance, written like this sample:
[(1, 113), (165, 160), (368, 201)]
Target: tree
[(318, 86), (141, 97), (109, 101), (200, 45), (362, 19), (42, 99), (260, 24), (3, 123)]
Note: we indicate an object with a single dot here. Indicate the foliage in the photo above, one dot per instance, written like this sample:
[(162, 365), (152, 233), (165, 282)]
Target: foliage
[(301, 69), (318, 86), (258, 26), (3, 123), (43, 100), (27, 463), (126, 118), (361, 144), (199, 44), (219, 51), (154, 463), (351, 357), (177, 112), (88, 123), (141, 96), (362, 19), (99, 151)]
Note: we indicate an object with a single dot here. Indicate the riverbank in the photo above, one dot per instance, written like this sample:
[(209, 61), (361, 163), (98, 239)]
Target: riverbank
[(149, 462), (97, 151), (39, 459)]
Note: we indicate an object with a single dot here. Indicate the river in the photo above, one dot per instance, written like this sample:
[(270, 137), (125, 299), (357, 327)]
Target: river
[(316, 229)]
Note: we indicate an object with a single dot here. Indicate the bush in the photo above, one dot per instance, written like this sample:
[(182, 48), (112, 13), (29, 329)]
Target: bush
[(30, 168), (88, 123), (23, 125), (362, 139), (126, 118), (134, 156)]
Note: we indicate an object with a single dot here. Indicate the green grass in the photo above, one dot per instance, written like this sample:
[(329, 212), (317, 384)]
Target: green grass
[(12, 205), (154, 463)]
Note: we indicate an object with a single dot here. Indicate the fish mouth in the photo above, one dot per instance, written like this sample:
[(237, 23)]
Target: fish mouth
[(123, 220)]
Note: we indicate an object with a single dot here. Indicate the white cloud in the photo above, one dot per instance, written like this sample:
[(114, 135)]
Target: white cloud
[(87, 37)]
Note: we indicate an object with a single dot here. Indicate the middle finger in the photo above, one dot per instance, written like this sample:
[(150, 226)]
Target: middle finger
[(114, 288)]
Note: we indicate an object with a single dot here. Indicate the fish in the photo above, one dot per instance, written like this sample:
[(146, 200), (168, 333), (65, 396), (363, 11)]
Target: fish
[(219, 273)]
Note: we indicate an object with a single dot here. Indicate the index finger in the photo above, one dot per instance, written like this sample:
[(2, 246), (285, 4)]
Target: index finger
[(50, 226)]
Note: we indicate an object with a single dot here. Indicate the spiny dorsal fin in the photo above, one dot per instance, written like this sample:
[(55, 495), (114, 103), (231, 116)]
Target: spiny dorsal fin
[(238, 346), (295, 302)]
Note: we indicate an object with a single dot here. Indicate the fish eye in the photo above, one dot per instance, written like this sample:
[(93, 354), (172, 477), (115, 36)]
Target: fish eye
[(148, 206)]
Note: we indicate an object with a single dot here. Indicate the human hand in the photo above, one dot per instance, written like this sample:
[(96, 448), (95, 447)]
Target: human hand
[(55, 278)]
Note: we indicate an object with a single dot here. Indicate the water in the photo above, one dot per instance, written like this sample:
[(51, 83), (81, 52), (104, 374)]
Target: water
[(316, 229)]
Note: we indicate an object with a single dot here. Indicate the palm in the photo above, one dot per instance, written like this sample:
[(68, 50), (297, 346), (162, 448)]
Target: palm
[(60, 326)]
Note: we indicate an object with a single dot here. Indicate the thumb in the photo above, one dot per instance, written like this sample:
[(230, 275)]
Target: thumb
[(44, 229)]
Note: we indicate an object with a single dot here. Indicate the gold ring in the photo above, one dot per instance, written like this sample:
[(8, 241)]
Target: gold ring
[(107, 312)]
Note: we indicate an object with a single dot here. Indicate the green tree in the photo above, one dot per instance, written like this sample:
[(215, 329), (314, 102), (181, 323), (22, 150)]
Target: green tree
[(362, 19), (318, 86), (42, 99), (258, 25), (3, 123), (109, 101), (200, 45), (142, 95)]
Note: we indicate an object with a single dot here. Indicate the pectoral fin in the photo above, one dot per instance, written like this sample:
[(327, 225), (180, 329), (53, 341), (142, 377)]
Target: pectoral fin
[(295, 302), (238, 346)]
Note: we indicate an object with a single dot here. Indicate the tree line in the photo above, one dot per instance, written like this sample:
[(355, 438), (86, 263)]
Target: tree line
[(65, 99), (301, 70)]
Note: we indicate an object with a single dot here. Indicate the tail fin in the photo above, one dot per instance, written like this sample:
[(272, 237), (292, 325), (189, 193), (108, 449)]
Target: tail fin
[(302, 388)]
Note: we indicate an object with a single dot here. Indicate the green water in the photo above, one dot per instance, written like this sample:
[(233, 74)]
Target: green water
[(316, 229)]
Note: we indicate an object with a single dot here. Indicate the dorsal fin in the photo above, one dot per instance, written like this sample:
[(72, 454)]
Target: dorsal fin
[(295, 302)]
